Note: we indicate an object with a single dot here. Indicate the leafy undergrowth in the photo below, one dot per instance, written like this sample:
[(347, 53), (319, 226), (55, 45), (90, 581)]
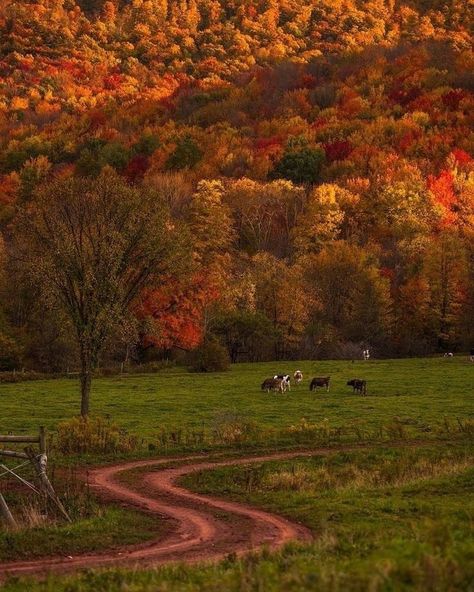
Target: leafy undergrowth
[(114, 527), (384, 519)]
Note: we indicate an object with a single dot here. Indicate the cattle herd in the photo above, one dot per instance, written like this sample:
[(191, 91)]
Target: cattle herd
[(281, 383)]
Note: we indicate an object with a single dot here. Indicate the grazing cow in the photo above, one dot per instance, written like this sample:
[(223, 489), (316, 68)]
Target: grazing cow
[(273, 384), (358, 386), (448, 355), (298, 376), (322, 381), (285, 378)]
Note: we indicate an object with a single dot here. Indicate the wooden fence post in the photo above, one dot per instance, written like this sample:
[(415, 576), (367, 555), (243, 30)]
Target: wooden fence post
[(40, 467), (5, 512), (42, 440)]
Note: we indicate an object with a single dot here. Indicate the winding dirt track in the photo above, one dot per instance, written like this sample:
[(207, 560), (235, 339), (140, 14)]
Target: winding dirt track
[(199, 527)]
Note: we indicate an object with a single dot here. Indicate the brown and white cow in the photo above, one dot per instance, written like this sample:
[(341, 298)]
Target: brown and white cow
[(273, 384), (298, 376)]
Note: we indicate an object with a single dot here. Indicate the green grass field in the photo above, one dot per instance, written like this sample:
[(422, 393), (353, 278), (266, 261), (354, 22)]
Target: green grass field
[(385, 518), (420, 391), (109, 528)]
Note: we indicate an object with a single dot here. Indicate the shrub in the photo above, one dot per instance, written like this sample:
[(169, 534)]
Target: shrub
[(211, 356), (12, 377), (10, 353), (233, 428), (93, 435)]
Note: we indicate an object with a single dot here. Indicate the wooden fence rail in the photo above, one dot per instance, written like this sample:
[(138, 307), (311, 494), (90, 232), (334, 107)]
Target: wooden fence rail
[(29, 439), (13, 454), (10, 439)]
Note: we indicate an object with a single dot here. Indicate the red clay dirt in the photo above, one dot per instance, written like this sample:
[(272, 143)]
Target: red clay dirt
[(201, 528)]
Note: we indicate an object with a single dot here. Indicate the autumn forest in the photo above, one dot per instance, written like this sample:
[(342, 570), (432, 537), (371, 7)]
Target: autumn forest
[(304, 169)]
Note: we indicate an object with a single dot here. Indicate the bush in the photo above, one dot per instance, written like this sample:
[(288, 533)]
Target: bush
[(93, 435), (10, 353), (13, 377), (211, 356)]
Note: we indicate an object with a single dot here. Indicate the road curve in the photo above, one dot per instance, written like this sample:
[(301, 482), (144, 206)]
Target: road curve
[(200, 528)]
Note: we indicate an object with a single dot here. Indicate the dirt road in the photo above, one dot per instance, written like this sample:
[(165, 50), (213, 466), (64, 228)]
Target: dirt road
[(199, 527)]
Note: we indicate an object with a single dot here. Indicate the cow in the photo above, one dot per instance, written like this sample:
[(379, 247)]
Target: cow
[(285, 378), (273, 384), (471, 355), (358, 386), (322, 381), (366, 354), (298, 376), (449, 355)]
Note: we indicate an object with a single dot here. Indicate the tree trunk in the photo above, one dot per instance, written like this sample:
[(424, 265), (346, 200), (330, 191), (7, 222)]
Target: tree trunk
[(86, 379)]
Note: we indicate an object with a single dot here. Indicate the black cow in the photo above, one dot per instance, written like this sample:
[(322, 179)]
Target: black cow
[(322, 381), (358, 386)]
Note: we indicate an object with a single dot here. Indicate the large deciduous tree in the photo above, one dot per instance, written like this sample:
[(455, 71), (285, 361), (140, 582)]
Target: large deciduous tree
[(92, 246), (353, 297)]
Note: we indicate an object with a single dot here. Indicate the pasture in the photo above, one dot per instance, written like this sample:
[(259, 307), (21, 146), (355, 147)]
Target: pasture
[(420, 392), (421, 495)]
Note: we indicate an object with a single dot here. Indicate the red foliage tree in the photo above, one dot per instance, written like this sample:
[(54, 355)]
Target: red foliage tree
[(338, 150), (452, 99), (177, 312), (442, 188)]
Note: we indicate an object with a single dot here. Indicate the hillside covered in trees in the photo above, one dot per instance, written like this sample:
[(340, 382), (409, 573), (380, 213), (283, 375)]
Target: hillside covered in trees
[(314, 158)]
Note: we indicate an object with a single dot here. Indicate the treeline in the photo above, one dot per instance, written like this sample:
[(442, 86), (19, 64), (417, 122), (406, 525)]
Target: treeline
[(313, 159), (271, 270)]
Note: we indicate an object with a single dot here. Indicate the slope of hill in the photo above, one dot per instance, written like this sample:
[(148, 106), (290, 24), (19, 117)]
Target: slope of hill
[(332, 136)]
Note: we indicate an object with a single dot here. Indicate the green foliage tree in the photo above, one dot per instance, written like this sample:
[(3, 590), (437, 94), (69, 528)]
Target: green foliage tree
[(247, 334), (186, 155), (10, 353), (32, 173), (210, 356), (96, 155), (146, 144), (300, 166)]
